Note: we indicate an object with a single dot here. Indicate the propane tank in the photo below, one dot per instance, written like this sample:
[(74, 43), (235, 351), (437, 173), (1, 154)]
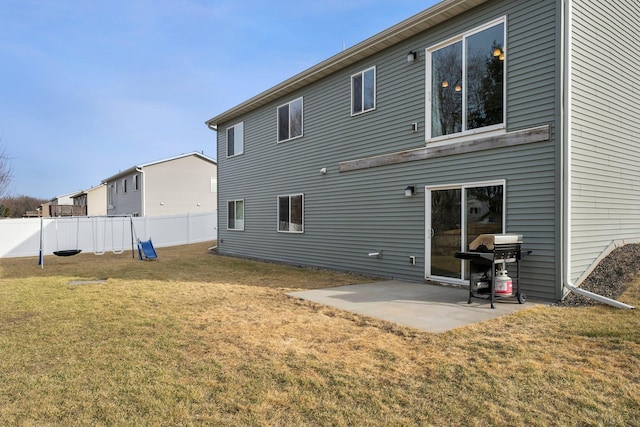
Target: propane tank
[(504, 284)]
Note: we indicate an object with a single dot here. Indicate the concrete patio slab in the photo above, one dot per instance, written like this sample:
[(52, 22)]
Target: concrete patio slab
[(428, 307)]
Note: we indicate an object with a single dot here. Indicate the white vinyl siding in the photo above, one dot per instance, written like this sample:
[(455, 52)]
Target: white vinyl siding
[(604, 129)]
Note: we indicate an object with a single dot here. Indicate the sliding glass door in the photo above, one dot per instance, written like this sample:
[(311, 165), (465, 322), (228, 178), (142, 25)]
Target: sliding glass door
[(455, 216)]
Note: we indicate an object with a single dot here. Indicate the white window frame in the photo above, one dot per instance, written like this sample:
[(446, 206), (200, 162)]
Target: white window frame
[(291, 229), (362, 95), (288, 104), (110, 196), (235, 202), (465, 134), (464, 186), (136, 182), (238, 135), (124, 186)]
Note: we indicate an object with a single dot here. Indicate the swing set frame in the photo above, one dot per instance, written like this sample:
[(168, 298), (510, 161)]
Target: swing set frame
[(94, 232)]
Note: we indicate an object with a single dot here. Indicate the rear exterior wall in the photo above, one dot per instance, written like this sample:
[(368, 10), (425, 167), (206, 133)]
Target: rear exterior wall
[(349, 214), (605, 128), (180, 186)]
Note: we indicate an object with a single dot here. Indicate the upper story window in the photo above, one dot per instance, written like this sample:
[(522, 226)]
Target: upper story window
[(467, 78), (235, 215), (290, 120), (291, 213), (363, 91), (235, 140), (124, 185), (111, 191), (136, 182)]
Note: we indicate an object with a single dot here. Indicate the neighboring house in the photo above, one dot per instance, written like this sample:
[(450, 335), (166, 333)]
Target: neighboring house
[(95, 200), (64, 205), (178, 185), (491, 115)]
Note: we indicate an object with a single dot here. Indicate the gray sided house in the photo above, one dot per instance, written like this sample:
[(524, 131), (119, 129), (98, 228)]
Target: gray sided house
[(178, 185), (476, 116)]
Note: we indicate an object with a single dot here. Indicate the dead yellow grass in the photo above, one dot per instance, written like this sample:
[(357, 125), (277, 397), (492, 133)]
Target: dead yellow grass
[(198, 339)]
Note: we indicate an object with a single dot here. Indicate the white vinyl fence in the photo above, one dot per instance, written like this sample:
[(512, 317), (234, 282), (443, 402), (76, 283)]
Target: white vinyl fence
[(21, 237)]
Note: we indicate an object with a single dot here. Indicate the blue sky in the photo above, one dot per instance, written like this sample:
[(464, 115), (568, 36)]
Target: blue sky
[(89, 88)]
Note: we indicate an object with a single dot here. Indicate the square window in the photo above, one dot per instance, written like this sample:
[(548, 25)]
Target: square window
[(363, 91), (291, 213), (235, 140), (290, 120), (467, 82), (235, 215)]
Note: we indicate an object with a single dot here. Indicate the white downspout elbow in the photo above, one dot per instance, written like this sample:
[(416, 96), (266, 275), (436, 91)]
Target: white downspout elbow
[(596, 297)]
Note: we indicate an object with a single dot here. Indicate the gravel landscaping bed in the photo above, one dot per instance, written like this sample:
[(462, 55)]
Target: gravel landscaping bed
[(610, 278)]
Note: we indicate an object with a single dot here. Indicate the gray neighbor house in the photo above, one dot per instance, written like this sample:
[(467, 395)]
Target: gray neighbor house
[(471, 117)]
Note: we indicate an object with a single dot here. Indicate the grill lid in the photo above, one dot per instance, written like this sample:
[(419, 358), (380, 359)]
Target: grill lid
[(487, 242)]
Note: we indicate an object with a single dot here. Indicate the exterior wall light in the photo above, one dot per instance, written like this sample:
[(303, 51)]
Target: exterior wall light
[(412, 56), (409, 191)]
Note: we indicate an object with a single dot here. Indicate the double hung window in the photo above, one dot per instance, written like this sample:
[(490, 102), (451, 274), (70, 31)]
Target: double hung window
[(290, 120), (235, 215), (235, 140), (466, 77), (363, 91), (111, 193), (291, 213)]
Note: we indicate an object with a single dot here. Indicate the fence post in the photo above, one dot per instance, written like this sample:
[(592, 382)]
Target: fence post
[(188, 228)]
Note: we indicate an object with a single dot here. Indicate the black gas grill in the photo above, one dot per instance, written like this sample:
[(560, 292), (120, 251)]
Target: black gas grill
[(485, 253)]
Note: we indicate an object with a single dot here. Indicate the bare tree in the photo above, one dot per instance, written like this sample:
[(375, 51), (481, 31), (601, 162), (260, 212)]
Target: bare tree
[(19, 206), (5, 173)]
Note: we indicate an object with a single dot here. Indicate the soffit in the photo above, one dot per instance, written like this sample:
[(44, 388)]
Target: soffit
[(423, 21)]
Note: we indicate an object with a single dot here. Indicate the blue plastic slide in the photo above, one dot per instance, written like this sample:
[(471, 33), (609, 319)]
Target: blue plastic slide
[(146, 249)]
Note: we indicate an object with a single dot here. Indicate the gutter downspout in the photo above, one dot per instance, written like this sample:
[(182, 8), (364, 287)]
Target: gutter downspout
[(596, 297), (566, 90), (144, 192)]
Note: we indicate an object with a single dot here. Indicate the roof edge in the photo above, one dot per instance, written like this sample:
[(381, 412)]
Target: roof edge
[(422, 21), (168, 159)]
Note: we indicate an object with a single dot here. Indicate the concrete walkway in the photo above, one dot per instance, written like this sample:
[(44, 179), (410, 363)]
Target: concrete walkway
[(428, 307)]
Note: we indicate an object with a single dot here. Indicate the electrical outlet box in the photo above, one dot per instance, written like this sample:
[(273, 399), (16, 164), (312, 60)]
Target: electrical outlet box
[(412, 260)]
